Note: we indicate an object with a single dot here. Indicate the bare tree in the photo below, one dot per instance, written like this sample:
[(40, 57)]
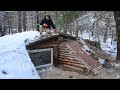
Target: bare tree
[(76, 28), (1, 31), (37, 21), (24, 20), (107, 18), (19, 21), (97, 25)]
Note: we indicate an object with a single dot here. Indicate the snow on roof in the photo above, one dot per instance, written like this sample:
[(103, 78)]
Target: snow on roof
[(15, 62)]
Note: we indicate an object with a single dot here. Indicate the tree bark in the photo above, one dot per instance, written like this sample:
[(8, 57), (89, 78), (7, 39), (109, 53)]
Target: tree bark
[(106, 30), (1, 30), (24, 20), (117, 20), (97, 30), (76, 28), (97, 25), (19, 21), (37, 21), (66, 27)]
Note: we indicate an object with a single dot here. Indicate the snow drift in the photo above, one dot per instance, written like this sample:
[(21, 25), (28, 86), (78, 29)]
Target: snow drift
[(15, 62)]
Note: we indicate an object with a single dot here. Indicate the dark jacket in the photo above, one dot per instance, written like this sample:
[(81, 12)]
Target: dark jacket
[(48, 22)]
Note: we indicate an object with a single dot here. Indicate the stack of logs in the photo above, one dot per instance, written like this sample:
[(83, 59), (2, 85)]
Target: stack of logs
[(68, 58)]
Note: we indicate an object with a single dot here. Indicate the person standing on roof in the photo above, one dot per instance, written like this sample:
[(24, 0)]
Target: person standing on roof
[(46, 24)]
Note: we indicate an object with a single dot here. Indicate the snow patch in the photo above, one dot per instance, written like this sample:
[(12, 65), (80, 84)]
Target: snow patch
[(101, 61)]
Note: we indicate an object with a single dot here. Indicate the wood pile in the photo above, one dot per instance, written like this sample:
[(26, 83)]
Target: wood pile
[(68, 57)]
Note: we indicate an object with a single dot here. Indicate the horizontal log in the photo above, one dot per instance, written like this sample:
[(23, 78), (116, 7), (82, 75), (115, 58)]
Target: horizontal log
[(63, 52), (71, 58), (62, 46), (64, 49), (75, 65), (74, 60), (75, 68), (66, 57), (67, 54), (71, 61), (68, 62)]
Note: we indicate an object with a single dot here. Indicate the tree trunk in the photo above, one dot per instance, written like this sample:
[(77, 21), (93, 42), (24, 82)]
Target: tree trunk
[(76, 28), (71, 28), (24, 20), (106, 30), (117, 19), (112, 37), (4, 30), (1, 30), (37, 21), (97, 30), (97, 25), (66, 26), (19, 21)]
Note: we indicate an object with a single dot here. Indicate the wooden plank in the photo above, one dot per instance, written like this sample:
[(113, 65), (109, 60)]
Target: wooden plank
[(64, 49), (63, 46), (79, 64), (76, 68), (75, 65), (62, 58), (63, 53), (71, 61), (68, 57), (67, 54)]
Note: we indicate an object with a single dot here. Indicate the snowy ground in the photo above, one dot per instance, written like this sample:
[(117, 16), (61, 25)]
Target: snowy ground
[(110, 49), (14, 60), (107, 47)]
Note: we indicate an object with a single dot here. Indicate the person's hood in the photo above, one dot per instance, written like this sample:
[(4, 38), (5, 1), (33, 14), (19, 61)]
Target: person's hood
[(47, 15)]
